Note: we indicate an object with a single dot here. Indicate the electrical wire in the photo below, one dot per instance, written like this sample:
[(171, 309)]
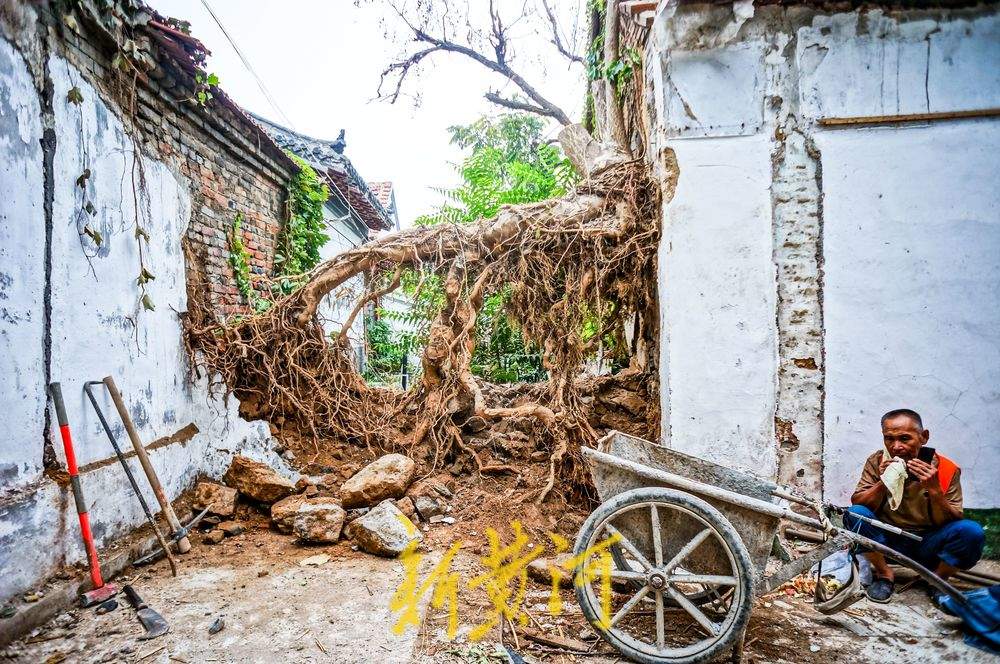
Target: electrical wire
[(249, 67)]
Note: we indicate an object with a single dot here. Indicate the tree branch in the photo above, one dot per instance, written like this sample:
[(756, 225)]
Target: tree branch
[(556, 39), (495, 98), (499, 65)]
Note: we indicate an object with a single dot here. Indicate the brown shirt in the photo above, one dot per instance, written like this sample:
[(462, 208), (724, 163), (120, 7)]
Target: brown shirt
[(914, 511)]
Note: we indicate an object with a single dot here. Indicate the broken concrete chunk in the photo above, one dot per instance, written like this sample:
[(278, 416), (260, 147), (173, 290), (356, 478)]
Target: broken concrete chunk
[(386, 477), (231, 528), (406, 506), (319, 522), (311, 491), (283, 512), (384, 531), (315, 561), (217, 498), (213, 537), (427, 507), (257, 480)]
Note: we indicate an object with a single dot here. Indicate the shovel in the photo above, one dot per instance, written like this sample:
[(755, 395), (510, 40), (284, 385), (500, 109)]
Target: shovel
[(153, 622)]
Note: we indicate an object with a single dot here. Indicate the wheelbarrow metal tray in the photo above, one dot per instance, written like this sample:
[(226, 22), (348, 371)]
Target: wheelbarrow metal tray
[(623, 462)]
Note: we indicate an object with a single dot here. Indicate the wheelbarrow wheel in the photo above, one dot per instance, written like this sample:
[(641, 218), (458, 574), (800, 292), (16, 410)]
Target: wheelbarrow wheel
[(706, 595), (681, 588)]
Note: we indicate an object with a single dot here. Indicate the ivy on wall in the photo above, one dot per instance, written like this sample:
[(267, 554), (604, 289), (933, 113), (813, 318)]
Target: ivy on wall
[(298, 248), (239, 259)]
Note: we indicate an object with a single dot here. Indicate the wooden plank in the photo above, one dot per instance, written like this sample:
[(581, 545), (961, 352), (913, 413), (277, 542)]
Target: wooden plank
[(909, 117), (639, 6), (553, 640)]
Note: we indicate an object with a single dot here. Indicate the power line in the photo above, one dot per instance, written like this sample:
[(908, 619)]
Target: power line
[(246, 63)]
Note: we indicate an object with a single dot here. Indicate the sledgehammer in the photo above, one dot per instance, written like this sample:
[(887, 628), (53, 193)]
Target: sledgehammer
[(179, 532), (101, 591)]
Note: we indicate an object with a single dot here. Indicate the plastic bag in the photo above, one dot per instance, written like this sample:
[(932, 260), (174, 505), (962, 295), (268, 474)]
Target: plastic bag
[(838, 566)]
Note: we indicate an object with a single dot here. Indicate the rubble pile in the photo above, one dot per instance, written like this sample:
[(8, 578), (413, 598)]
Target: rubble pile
[(377, 507)]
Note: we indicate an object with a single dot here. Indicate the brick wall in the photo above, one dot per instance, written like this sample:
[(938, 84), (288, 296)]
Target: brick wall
[(228, 163)]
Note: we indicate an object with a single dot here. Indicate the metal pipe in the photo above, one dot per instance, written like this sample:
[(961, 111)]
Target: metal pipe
[(880, 524), (785, 494)]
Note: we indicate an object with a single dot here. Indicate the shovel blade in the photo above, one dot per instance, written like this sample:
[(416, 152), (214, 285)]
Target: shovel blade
[(153, 622)]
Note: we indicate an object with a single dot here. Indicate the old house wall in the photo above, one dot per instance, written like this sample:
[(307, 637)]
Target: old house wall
[(345, 234), (813, 275), (69, 307)]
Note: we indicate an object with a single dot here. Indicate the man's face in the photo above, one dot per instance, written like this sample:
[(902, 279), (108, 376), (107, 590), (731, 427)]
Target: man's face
[(903, 437)]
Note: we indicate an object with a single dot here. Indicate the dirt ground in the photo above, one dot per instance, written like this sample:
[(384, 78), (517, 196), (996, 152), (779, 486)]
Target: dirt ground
[(275, 608)]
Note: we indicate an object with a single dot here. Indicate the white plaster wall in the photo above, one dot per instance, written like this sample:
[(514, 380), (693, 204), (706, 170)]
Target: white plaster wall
[(851, 66), (715, 93), (912, 296), (337, 306), (99, 328), (718, 297), (22, 274)]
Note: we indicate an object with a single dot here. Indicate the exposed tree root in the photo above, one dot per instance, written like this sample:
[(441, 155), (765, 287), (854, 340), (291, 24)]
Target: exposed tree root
[(581, 272)]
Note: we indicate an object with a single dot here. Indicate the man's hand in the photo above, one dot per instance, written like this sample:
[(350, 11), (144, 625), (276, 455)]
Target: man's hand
[(885, 464), (925, 472)]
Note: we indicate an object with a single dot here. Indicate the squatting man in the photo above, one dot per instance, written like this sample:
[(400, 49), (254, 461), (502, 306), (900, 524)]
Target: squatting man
[(918, 490)]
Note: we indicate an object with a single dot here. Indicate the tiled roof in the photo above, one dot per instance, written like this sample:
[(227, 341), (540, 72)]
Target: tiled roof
[(327, 157)]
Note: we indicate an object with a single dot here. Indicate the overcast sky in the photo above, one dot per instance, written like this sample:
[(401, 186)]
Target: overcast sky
[(321, 60)]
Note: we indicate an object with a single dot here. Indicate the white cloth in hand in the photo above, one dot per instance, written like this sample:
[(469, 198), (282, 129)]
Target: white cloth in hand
[(893, 478)]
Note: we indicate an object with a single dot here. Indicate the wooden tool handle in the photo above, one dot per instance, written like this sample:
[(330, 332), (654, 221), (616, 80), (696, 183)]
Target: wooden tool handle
[(133, 597)]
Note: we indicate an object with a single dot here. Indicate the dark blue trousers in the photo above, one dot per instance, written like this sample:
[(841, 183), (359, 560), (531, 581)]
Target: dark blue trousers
[(959, 543)]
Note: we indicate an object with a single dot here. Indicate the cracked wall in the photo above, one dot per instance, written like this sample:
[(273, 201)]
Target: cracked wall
[(57, 284), (764, 290)]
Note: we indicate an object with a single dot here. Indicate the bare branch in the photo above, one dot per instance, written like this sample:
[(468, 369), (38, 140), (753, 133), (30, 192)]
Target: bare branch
[(498, 64), (403, 68), (556, 39), (495, 98)]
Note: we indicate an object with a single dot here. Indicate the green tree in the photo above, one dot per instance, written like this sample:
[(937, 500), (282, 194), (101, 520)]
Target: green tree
[(508, 162)]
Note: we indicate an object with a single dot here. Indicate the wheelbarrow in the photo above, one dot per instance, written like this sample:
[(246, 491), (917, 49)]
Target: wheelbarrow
[(684, 545)]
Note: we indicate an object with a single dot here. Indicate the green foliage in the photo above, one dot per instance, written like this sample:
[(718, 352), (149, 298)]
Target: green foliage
[(501, 355), (386, 350), (618, 72), (589, 113), (302, 237), (509, 162), (594, 60), (239, 259), (203, 84), (621, 71)]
